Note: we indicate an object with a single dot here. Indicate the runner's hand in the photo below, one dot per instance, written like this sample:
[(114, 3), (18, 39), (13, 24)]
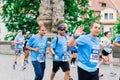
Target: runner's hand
[(79, 31), (56, 57), (36, 49)]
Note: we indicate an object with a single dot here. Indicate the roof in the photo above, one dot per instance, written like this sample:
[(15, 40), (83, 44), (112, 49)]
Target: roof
[(96, 4)]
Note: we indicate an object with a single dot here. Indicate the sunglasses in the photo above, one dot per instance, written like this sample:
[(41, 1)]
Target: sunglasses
[(62, 29)]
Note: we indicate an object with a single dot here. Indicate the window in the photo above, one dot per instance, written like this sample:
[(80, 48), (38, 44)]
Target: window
[(110, 15), (106, 15), (103, 4)]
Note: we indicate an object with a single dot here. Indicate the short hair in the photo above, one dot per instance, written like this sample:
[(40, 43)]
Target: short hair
[(105, 33), (92, 24)]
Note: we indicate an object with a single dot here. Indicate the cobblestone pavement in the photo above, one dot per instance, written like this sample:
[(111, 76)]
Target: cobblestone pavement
[(7, 73)]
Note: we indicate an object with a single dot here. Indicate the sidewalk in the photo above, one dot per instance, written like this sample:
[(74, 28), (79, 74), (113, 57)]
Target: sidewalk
[(7, 73)]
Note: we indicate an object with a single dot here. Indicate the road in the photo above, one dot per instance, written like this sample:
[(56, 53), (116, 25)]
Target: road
[(7, 73)]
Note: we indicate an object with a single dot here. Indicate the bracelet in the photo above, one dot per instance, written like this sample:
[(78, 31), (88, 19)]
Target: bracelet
[(53, 55)]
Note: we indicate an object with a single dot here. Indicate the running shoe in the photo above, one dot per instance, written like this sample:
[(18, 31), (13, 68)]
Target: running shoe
[(14, 66), (112, 73), (23, 68)]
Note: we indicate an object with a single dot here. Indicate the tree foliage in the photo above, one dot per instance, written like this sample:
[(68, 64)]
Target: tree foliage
[(78, 14), (116, 29), (20, 14)]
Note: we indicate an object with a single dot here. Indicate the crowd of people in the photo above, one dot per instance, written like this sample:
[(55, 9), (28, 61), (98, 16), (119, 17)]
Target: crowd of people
[(65, 50)]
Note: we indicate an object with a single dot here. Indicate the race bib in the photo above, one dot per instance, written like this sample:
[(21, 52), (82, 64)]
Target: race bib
[(40, 57), (65, 57), (94, 57)]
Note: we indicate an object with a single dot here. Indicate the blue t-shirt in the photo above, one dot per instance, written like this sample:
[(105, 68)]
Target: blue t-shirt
[(88, 52), (60, 48), (38, 42), (20, 40), (118, 39)]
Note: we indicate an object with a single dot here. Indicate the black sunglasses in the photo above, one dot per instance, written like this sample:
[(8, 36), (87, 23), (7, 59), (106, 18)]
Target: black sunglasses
[(62, 30)]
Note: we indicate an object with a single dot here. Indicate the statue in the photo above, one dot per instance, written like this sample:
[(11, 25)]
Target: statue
[(51, 12)]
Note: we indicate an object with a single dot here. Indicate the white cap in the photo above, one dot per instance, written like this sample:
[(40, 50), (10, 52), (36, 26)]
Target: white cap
[(28, 32)]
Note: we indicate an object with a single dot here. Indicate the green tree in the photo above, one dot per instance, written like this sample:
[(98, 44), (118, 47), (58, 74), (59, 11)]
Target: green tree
[(20, 14), (116, 29), (74, 12)]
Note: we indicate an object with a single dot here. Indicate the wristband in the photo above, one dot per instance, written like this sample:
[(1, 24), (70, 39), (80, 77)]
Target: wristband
[(75, 37), (53, 55)]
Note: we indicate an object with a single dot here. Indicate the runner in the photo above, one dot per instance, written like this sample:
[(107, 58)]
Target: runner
[(88, 52), (58, 49), (107, 53), (37, 45), (19, 43), (26, 51)]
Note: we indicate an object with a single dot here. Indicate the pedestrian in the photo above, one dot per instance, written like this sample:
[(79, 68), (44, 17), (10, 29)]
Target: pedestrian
[(37, 44), (58, 49), (107, 55), (19, 43), (26, 51), (88, 52)]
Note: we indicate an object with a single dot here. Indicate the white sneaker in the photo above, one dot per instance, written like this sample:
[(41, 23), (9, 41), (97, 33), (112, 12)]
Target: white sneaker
[(73, 65), (112, 73)]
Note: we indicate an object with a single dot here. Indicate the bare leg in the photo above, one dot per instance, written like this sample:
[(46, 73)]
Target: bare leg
[(110, 62), (15, 58), (26, 54), (22, 56), (52, 75), (67, 75)]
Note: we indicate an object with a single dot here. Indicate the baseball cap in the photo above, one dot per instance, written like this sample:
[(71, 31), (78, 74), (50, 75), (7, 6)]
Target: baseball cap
[(61, 28), (19, 31), (28, 32)]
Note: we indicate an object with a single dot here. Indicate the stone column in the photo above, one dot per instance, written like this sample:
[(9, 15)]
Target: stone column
[(51, 13), (45, 13), (57, 13)]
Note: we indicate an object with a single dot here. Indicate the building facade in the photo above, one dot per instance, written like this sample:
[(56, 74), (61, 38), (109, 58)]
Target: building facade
[(109, 11)]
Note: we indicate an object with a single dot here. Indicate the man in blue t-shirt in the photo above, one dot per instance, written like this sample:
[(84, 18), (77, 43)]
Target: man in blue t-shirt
[(88, 52), (58, 49), (37, 44)]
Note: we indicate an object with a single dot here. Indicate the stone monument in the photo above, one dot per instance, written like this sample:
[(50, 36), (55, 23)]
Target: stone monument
[(51, 13)]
